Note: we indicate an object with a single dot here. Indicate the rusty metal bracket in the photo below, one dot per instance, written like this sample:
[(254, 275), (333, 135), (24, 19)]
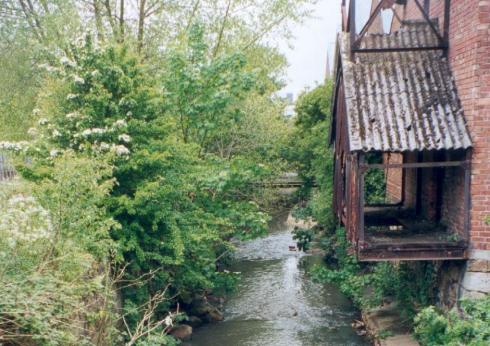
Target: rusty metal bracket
[(355, 42), (426, 17)]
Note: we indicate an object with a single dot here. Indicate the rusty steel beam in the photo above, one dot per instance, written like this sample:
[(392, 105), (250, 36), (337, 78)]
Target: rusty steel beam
[(361, 198), (467, 195), (413, 252), (397, 49), (416, 165), (352, 26), (415, 256), (447, 15), (368, 24), (426, 17), (407, 246)]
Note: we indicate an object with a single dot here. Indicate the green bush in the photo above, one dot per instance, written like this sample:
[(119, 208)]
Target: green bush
[(54, 249), (177, 203), (411, 284), (470, 326), (310, 155)]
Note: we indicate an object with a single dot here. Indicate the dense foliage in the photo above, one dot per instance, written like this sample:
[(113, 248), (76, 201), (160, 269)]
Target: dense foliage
[(177, 203), (141, 144), (411, 285), (309, 152), (469, 326), (51, 253)]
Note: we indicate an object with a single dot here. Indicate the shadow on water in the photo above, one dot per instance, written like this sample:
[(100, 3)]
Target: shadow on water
[(276, 303)]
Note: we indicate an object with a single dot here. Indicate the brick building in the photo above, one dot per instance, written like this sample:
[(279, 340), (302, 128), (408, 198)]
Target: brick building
[(414, 104)]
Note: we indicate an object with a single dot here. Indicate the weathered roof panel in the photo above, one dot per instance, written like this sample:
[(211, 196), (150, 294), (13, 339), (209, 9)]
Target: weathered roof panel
[(401, 101)]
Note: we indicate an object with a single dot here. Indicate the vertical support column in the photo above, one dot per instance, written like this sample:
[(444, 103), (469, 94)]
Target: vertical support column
[(418, 188), (447, 16), (467, 195), (361, 171), (348, 191), (352, 26), (344, 17)]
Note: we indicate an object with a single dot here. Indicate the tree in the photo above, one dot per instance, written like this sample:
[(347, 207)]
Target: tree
[(310, 153)]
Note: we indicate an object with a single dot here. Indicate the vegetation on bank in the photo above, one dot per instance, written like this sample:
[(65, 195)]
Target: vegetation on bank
[(410, 285), (469, 325), (140, 145)]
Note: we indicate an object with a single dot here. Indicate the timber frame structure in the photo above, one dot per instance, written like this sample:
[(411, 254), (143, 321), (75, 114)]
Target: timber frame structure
[(396, 110)]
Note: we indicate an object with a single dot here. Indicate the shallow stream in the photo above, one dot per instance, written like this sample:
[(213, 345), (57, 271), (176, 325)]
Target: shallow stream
[(276, 303)]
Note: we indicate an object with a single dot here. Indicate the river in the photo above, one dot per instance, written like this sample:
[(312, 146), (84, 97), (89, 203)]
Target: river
[(276, 303)]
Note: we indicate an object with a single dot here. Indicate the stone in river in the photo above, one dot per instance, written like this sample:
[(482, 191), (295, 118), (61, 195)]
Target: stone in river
[(181, 332)]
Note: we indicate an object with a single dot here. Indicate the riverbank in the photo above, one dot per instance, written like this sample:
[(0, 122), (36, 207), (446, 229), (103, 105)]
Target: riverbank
[(387, 328), (384, 325)]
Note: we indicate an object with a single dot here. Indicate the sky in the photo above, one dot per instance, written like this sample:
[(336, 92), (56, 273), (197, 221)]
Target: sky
[(313, 39)]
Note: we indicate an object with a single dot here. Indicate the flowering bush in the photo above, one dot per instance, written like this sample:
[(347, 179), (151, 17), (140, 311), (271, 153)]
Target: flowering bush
[(177, 204), (22, 221), (53, 237)]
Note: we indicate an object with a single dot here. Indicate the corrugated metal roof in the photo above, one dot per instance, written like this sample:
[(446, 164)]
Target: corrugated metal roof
[(401, 101)]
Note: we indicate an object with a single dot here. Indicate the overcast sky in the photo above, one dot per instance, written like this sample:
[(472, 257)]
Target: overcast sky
[(307, 58)]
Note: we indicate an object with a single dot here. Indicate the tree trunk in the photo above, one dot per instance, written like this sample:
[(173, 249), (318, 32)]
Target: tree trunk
[(222, 29), (98, 20), (141, 24), (121, 21)]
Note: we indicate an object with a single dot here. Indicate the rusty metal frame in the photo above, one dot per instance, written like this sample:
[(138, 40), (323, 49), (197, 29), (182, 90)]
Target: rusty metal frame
[(352, 27), (436, 250), (360, 211), (355, 40), (399, 49), (426, 17), (417, 164), (368, 23), (467, 195)]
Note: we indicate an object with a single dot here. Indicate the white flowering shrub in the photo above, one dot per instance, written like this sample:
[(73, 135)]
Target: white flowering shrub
[(22, 220), (80, 112), (54, 236), (13, 146)]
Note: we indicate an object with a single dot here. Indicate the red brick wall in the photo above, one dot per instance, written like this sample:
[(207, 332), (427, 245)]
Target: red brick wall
[(394, 178), (452, 205), (410, 199), (429, 189), (478, 114)]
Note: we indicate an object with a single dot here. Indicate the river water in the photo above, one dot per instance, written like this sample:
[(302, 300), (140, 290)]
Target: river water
[(276, 303)]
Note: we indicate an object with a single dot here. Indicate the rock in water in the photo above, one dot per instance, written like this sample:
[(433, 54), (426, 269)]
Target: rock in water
[(194, 321), (214, 315), (206, 311), (181, 332)]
